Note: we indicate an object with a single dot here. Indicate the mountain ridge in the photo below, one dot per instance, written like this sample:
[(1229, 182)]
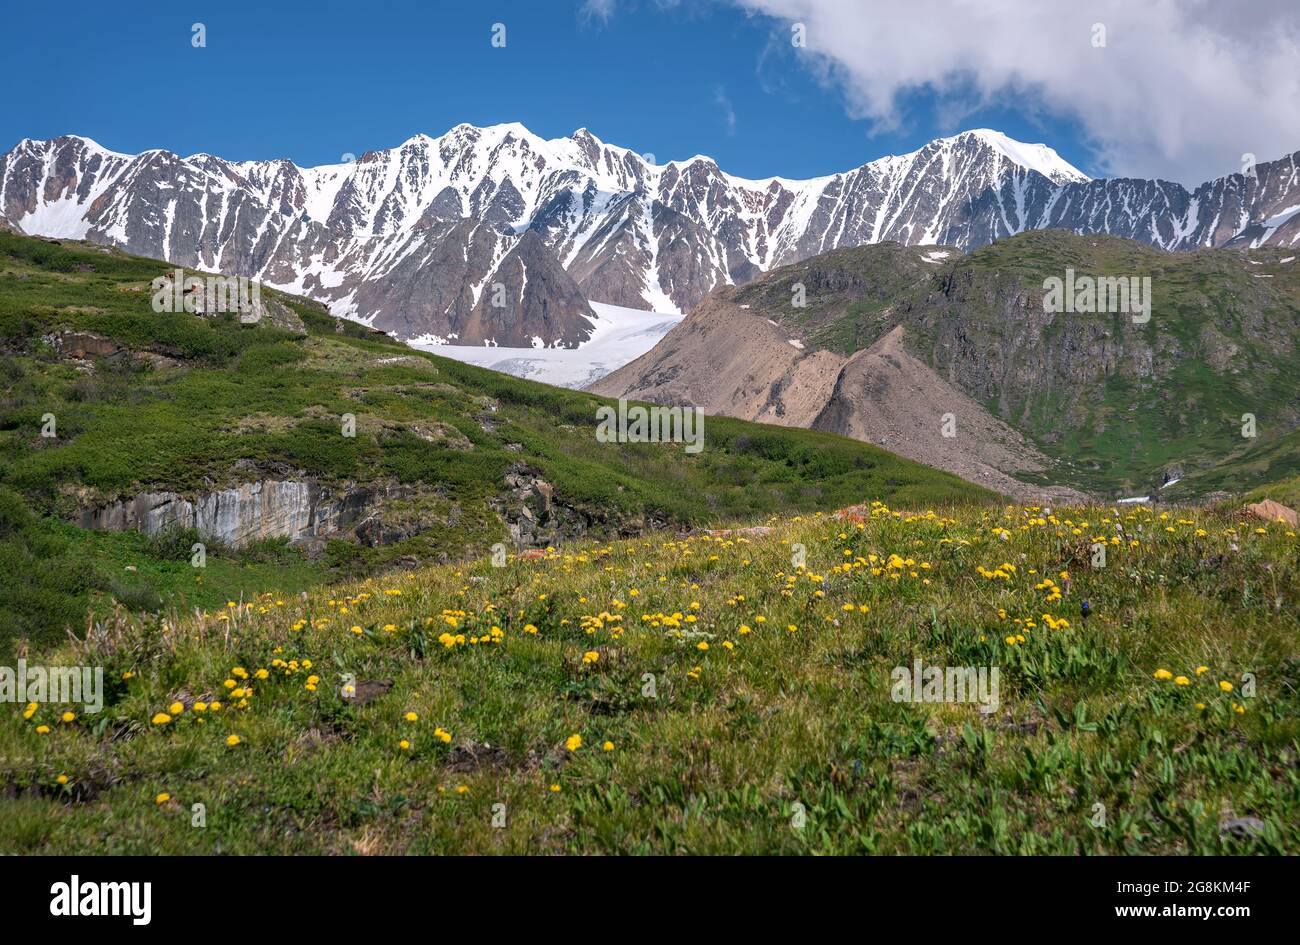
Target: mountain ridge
[(1032, 400), (383, 240)]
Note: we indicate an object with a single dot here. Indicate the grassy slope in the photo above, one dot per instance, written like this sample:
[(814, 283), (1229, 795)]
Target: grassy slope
[(1286, 491), (1082, 387), (796, 711), (848, 293), (1268, 464), (1127, 426), (242, 393)]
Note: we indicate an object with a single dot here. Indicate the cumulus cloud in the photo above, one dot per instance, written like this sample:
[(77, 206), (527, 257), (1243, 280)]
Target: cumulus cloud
[(1180, 90)]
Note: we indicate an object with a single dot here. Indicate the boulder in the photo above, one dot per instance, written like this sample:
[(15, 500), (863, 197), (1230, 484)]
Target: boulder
[(1271, 511)]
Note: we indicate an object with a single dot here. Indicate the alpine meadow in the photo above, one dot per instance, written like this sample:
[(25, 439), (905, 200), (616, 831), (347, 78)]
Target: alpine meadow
[(389, 469)]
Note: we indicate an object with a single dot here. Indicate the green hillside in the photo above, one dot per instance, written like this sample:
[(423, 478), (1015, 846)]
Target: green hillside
[(1122, 405), (182, 403), (1122, 402), (848, 294)]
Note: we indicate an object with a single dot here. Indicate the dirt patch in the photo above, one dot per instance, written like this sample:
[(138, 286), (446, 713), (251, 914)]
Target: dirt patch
[(473, 756), (366, 691)]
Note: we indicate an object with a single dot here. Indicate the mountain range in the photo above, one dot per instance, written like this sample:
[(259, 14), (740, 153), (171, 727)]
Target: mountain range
[(495, 236)]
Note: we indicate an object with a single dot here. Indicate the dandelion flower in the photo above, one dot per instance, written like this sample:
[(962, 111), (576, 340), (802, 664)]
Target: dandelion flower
[(62, 779), (233, 740), (573, 742), (608, 746), (411, 717), (162, 798), (1225, 686)]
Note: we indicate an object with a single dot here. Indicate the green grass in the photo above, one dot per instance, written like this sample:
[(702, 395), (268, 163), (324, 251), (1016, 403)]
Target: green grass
[(1286, 491), (1088, 751), (59, 576), (1267, 466)]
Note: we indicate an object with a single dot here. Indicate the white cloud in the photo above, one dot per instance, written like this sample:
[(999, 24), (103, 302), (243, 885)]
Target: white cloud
[(1182, 89), (723, 102), (597, 9)]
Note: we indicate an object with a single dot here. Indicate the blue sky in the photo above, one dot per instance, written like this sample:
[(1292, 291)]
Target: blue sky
[(313, 81), (1182, 89)]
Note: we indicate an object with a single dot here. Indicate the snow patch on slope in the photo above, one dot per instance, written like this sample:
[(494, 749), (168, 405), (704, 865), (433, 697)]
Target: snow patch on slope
[(619, 335)]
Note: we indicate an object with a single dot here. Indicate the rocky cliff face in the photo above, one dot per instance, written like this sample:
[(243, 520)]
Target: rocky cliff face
[(412, 239), (307, 511), (293, 509)]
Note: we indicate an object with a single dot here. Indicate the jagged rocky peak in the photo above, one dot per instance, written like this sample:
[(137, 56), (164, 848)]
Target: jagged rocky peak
[(364, 237)]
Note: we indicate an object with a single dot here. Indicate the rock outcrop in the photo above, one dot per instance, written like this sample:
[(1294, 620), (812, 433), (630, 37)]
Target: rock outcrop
[(295, 509), (208, 296)]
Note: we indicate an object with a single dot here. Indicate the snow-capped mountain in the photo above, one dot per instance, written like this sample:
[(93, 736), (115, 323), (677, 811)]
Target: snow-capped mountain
[(497, 236)]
